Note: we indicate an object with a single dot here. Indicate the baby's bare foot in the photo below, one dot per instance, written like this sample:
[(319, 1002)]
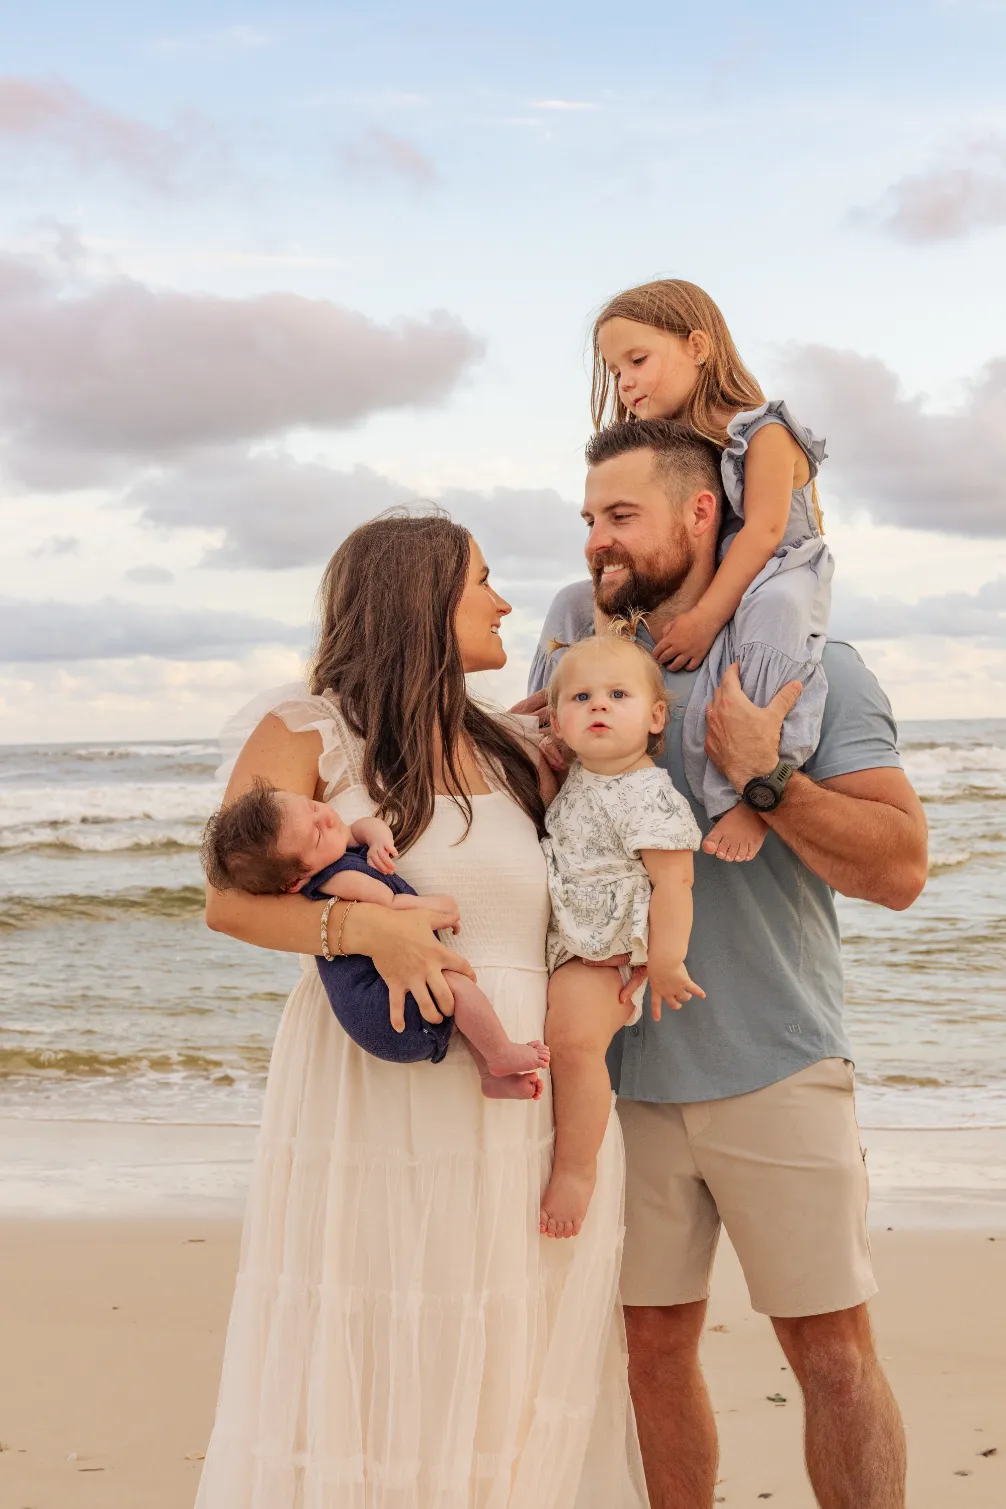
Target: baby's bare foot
[(512, 1087), (737, 836), (565, 1201), (519, 1058)]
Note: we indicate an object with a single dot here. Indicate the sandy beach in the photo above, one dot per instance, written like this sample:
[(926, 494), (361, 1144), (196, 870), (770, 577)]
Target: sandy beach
[(112, 1334)]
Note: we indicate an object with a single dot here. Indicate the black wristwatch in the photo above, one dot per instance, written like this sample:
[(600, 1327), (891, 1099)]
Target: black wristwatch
[(765, 792)]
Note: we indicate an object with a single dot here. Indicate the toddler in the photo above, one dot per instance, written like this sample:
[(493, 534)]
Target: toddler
[(271, 842), (663, 350), (619, 856)]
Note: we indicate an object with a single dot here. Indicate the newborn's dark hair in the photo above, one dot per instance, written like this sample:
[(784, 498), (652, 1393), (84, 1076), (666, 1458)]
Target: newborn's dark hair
[(239, 845)]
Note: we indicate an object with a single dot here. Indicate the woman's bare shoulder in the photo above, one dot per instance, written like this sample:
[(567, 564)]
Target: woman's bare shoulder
[(275, 753)]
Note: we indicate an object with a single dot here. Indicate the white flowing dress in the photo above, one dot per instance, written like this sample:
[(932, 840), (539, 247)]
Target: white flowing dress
[(401, 1336)]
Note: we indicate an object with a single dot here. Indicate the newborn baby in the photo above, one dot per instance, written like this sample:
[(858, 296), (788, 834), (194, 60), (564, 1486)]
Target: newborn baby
[(270, 842)]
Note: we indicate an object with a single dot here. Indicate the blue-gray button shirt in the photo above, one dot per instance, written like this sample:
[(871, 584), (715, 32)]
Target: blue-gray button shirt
[(765, 944)]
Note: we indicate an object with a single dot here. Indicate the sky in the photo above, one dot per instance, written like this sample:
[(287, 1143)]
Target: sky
[(265, 272)]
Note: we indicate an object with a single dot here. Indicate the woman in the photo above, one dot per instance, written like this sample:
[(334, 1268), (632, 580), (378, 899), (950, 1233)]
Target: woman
[(401, 1336)]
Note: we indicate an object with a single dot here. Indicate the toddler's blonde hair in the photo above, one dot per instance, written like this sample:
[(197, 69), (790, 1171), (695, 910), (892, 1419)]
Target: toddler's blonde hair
[(678, 308), (621, 632)]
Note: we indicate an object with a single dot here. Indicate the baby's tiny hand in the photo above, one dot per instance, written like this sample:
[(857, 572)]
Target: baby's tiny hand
[(381, 857), (670, 983), (686, 641), (445, 907)]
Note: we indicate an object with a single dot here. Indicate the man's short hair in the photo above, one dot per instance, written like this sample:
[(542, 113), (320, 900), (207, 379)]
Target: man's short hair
[(687, 461)]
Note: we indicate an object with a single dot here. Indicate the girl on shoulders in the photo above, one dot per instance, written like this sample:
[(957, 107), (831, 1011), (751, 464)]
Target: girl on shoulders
[(663, 350)]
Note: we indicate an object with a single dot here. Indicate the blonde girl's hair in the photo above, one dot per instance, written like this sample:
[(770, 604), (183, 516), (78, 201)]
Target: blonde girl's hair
[(679, 308), (620, 631)]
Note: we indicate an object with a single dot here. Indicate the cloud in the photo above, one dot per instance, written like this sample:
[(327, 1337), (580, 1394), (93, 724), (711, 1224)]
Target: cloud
[(58, 544), (149, 576), (382, 154), (276, 513), (52, 113), (946, 201), (562, 105), (900, 462), (93, 382), (954, 615), (113, 630)]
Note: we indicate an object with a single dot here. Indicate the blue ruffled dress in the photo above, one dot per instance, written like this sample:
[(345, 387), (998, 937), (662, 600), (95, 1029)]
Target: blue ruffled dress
[(778, 631)]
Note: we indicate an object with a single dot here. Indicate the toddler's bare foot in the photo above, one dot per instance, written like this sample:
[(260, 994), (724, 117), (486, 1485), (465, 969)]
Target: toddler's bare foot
[(738, 835), (519, 1058), (565, 1201), (512, 1087)]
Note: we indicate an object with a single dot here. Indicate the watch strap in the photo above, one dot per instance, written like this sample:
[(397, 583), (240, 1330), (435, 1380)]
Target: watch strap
[(764, 792)]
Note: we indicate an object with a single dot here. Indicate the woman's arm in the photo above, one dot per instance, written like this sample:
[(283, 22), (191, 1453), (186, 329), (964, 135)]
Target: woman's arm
[(406, 953), (772, 470)]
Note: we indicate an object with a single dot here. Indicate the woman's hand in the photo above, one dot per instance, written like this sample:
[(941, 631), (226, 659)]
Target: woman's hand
[(686, 641), (408, 956)]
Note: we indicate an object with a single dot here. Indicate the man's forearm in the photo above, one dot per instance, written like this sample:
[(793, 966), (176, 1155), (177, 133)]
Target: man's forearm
[(868, 849)]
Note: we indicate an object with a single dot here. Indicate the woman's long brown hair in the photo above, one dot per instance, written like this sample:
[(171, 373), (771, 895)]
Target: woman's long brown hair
[(678, 307), (387, 649)]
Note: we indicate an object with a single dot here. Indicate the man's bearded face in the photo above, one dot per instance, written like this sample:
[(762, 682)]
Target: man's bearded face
[(646, 578)]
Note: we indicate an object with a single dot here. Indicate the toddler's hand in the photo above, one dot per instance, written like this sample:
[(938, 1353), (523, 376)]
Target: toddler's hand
[(381, 857), (670, 983), (686, 641)]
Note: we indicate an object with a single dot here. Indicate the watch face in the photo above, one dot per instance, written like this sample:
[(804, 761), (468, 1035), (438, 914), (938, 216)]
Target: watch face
[(763, 797)]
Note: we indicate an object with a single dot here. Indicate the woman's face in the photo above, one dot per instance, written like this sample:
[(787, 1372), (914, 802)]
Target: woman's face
[(477, 621)]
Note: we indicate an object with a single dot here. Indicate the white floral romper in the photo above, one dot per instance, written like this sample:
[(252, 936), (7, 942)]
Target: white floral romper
[(597, 827)]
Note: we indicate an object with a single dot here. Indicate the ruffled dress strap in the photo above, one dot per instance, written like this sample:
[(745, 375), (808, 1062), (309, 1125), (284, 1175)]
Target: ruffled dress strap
[(340, 764), (740, 430)]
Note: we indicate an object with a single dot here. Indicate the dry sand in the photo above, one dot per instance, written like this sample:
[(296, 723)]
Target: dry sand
[(111, 1333)]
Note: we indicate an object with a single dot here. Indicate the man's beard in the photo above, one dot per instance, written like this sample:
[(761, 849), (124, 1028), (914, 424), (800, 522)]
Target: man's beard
[(644, 588)]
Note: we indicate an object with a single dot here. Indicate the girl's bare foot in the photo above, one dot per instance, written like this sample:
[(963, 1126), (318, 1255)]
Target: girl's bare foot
[(519, 1058), (512, 1087), (565, 1201), (738, 835)]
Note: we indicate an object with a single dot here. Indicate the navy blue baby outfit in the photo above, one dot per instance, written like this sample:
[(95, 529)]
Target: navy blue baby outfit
[(358, 995)]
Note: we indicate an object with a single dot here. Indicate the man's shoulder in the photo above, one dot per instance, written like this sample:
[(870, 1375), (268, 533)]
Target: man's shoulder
[(849, 676), (572, 609), (570, 617), (859, 731)]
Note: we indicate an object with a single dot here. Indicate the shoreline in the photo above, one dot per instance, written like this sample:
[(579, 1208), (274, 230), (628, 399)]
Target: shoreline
[(114, 1329), (920, 1178)]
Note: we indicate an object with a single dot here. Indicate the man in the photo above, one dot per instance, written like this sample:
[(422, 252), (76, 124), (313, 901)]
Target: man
[(740, 1109)]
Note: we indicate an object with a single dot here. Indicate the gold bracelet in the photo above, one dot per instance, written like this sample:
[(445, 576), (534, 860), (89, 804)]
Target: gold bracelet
[(342, 928), (324, 928)]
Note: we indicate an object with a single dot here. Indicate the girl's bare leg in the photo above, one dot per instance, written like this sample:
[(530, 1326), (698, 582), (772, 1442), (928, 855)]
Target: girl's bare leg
[(584, 1013), (507, 1068)]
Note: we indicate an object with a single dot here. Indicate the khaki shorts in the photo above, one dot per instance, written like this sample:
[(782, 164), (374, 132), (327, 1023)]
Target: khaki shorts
[(782, 1168)]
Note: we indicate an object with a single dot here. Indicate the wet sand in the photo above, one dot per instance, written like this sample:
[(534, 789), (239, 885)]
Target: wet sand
[(112, 1334)]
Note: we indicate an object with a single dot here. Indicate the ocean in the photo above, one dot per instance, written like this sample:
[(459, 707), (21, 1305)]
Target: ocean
[(117, 1005)]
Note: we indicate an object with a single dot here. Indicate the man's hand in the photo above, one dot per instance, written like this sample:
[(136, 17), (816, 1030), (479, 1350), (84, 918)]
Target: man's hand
[(686, 641), (537, 703), (742, 740), (554, 752)]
